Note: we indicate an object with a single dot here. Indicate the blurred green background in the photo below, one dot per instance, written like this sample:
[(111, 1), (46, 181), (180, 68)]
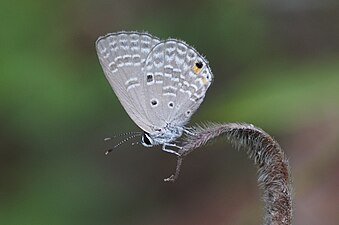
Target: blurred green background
[(276, 65)]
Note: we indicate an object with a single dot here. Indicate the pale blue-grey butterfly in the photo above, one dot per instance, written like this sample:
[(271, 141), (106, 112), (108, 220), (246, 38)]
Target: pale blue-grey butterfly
[(159, 83)]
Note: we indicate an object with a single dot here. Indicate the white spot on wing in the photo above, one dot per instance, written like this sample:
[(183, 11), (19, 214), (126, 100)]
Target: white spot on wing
[(133, 79), (194, 86), (106, 55), (178, 60), (132, 86), (171, 94)]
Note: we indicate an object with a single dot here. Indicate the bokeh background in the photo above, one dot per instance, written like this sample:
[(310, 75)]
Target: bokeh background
[(276, 65)]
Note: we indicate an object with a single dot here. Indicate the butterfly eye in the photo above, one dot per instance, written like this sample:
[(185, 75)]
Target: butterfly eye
[(146, 140), (197, 67)]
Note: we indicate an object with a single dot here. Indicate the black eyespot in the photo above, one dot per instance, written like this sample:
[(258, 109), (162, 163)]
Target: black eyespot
[(154, 102), (146, 139), (199, 64), (170, 104), (149, 78), (188, 112)]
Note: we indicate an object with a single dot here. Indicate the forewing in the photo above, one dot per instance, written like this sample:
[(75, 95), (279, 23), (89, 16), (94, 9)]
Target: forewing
[(122, 56), (172, 79)]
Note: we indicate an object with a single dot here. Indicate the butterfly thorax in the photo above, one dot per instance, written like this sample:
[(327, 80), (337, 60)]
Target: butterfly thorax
[(162, 136)]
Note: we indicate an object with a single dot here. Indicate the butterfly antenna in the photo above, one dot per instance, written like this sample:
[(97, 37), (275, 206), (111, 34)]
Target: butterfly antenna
[(135, 143), (122, 134), (121, 142)]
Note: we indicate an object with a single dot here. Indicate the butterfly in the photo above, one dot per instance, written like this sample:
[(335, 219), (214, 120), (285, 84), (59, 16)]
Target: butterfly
[(159, 83)]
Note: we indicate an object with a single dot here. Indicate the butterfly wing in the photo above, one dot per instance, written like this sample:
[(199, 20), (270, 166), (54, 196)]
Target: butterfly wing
[(122, 56), (174, 85)]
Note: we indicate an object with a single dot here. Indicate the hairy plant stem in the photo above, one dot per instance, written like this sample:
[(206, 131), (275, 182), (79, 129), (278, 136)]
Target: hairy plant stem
[(273, 169)]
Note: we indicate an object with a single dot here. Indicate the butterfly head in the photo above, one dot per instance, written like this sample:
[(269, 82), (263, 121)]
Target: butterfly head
[(161, 136)]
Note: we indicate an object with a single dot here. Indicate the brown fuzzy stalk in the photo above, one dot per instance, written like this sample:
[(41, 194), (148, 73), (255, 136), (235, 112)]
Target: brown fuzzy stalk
[(273, 168)]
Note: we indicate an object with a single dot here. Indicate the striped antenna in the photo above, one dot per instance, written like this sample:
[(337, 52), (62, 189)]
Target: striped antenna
[(122, 134), (123, 141)]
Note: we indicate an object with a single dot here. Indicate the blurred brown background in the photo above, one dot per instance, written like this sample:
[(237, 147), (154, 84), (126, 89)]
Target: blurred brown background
[(276, 65)]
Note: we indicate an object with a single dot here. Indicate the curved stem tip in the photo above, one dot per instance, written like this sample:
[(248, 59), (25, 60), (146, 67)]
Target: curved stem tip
[(273, 168)]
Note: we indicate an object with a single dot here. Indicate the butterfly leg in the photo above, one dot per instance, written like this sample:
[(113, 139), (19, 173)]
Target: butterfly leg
[(170, 150)]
